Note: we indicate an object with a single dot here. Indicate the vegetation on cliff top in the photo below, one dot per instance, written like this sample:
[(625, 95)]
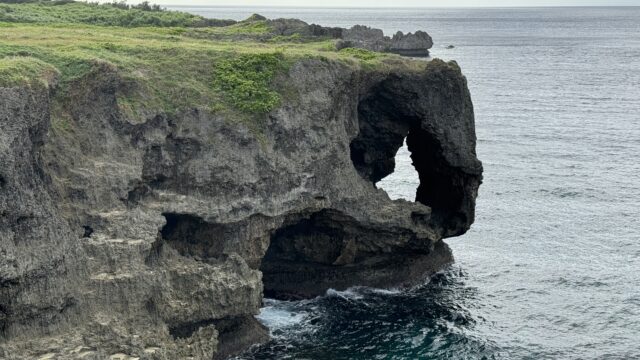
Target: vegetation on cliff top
[(166, 66), (245, 80), (21, 70), (107, 14)]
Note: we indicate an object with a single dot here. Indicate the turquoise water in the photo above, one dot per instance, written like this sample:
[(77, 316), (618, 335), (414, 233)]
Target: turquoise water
[(551, 269)]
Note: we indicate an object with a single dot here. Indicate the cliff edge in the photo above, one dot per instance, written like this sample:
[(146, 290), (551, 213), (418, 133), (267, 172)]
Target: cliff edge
[(154, 184)]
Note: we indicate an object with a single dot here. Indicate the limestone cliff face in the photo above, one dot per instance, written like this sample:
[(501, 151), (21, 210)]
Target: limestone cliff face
[(156, 239)]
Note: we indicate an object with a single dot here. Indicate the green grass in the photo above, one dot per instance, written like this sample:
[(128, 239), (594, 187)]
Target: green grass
[(244, 30), (362, 54), (161, 68), (18, 71), (170, 71), (246, 81), (49, 12)]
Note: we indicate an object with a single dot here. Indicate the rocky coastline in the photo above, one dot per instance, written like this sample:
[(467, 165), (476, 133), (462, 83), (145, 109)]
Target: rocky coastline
[(129, 231)]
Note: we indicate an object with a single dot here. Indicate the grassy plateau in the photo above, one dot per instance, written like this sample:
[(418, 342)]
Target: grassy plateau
[(176, 60)]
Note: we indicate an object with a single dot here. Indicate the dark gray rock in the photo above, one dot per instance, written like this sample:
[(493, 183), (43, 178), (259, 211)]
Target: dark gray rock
[(416, 45), (288, 27), (412, 44), (154, 239), (255, 17), (363, 37)]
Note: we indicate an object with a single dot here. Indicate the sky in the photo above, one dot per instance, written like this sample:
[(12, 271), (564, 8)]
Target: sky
[(400, 3)]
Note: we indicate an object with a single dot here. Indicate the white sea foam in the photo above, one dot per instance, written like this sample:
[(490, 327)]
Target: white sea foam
[(277, 318), (349, 294)]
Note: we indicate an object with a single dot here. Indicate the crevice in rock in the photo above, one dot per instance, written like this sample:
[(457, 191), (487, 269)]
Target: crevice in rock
[(184, 331), (235, 333), (165, 165), (24, 218), (192, 236), (139, 192), (155, 252), (3, 182), (88, 230), (4, 324), (6, 283), (158, 181)]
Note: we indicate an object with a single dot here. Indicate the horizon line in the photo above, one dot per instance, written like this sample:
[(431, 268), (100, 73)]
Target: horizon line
[(407, 7)]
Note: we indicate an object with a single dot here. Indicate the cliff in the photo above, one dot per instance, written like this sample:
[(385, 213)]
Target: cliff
[(154, 184)]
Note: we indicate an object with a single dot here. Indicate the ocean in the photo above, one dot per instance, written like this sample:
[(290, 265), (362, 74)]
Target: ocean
[(551, 268)]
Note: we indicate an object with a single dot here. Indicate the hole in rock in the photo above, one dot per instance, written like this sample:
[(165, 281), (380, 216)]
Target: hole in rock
[(380, 148), (330, 249), (3, 181), (373, 151), (88, 230), (403, 182), (317, 239), (193, 236), (377, 151)]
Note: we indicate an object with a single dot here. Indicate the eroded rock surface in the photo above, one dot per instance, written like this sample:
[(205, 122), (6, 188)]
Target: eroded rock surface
[(358, 36), (416, 44), (364, 37), (154, 239)]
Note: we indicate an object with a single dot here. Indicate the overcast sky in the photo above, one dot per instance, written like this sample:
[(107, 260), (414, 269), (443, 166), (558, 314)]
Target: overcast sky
[(398, 3)]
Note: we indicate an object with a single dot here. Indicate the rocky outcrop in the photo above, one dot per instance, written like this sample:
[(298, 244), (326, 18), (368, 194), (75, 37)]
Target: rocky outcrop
[(416, 45), (363, 37), (156, 238)]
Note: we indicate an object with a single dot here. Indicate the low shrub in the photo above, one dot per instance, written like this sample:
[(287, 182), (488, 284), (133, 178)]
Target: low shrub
[(246, 80)]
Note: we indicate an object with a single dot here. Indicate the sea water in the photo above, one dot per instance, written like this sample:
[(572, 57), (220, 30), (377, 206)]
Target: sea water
[(551, 268)]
